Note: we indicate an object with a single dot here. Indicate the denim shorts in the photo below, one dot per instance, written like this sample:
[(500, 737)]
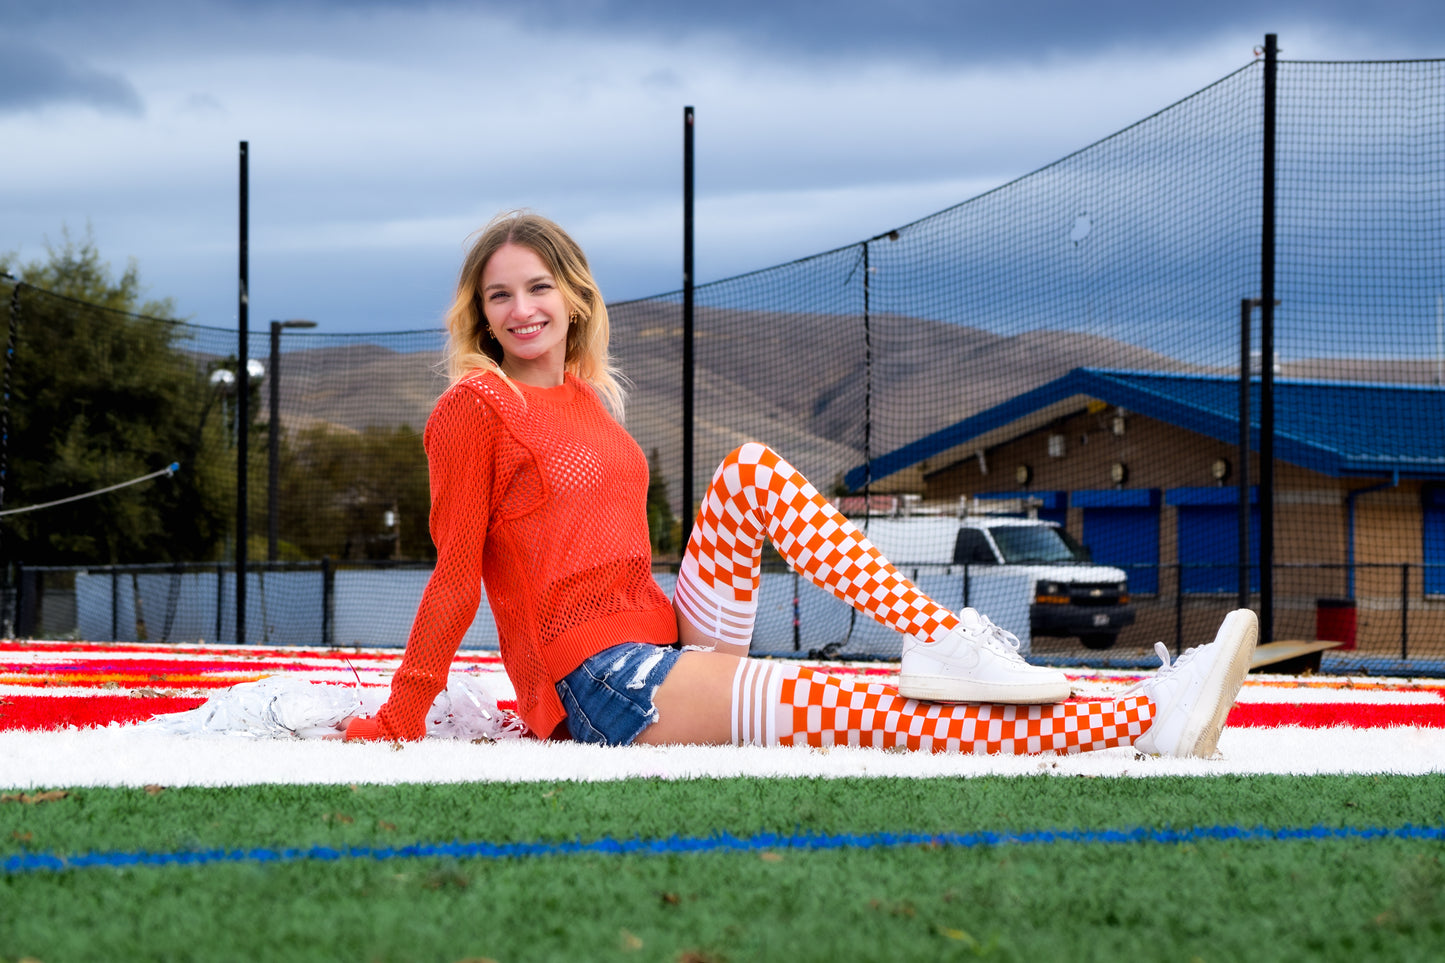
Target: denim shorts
[(608, 698)]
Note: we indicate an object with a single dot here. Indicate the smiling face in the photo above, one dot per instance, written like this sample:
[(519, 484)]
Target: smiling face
[(527, 315)]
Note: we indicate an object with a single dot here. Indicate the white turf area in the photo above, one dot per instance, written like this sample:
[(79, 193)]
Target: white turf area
[(126, 756)]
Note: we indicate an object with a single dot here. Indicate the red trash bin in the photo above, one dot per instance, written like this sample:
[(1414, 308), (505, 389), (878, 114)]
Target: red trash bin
[(1335, 621)]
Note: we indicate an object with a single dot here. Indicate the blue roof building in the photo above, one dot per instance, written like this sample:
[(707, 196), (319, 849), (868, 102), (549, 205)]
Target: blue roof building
[(1340, 429), (1137, 464)]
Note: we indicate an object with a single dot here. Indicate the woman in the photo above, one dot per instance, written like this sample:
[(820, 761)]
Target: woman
[(539, 492)]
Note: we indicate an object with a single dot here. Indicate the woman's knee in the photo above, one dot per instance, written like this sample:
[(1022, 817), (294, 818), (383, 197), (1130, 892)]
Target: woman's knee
[(751, 453)]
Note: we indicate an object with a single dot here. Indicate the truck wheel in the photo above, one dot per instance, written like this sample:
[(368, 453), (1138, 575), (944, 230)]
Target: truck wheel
[(1095, 641)]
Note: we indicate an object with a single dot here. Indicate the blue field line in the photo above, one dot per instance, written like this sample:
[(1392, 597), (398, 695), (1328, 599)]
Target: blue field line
[(811, 842)]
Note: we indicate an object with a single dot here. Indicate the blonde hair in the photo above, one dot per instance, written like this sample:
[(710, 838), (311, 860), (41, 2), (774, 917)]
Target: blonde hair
[(469, 348)]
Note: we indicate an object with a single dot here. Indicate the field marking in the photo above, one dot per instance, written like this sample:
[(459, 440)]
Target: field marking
[(32, 863)]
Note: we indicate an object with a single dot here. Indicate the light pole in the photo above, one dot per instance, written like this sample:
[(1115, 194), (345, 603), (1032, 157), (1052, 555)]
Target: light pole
[(273, 483)]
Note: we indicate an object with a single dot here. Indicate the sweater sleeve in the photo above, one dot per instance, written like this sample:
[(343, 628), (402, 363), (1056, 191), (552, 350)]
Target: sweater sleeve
[(460, 451)]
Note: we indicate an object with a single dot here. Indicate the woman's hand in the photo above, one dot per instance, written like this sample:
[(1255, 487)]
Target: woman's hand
[(340, 729)]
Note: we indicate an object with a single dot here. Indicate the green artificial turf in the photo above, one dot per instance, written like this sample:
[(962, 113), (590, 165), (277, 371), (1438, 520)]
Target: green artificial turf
[(1212, 900)]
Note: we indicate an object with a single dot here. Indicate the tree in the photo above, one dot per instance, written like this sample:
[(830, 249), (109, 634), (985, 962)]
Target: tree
[(102, 390), (338, 488), (664, 528)]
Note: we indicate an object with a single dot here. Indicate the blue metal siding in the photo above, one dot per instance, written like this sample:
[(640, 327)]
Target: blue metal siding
[(1115, 498), (1127, 538), (1434, 509), (1209, 536)]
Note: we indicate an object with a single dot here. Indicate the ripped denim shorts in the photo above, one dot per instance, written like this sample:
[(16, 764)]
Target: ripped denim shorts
[(608, 698)]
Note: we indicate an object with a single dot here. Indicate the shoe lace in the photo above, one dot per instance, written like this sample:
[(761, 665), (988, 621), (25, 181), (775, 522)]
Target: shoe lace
[(1000, 639), (1166, 667)]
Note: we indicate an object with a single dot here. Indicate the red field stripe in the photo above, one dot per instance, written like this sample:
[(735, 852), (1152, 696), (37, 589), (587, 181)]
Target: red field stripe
[(116, 680), (161, 667), (236, 651), (1322, 715), (227, 651), (57, 712)]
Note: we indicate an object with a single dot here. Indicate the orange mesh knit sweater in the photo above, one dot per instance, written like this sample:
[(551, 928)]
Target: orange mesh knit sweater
[(544, 500)]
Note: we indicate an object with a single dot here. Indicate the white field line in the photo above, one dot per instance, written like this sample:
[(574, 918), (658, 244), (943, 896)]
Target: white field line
[(1292, 689), (1399, 697)]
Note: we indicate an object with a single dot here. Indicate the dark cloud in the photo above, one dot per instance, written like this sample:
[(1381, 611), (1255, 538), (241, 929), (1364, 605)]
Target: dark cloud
[(952, 30), (31, 78), (986, 30), (930, 31)]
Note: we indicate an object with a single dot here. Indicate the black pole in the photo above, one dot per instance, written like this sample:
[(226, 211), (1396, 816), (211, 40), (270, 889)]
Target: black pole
[(687, 346), (220, 600), (867, 387), (8, 614), (1266, 354), (243, 404), (1246, 307), (328, 601), (10, 342), (273, 439), (1405, 610)]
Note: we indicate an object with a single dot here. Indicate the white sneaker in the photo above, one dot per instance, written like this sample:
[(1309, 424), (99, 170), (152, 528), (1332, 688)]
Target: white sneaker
[(976, 662), (1193, 696)]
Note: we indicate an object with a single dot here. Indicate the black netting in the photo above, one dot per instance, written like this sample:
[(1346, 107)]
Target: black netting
[(1064, 348), (943, 360)]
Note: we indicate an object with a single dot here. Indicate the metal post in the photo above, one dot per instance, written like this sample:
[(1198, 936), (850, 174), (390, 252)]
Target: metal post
[(243, 400), (9, 614), (797, 613), (220, 597), (273, 445), (14, 329), (1266, 354), (328, 601), (1246, 307), (867, 388), (21, 600), (1405, 610), (687, 345), (1178, 607)]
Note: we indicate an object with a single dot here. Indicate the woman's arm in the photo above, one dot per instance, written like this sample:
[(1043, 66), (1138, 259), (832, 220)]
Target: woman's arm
[(459, 446)]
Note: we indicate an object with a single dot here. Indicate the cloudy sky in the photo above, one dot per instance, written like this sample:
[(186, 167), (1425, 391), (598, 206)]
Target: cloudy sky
[(383, 132)]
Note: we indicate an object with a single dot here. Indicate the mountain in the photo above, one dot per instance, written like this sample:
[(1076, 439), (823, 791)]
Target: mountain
[(801, 382)]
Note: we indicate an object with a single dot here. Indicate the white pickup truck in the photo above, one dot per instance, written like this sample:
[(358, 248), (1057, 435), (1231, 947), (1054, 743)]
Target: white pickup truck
[(1072, 595)]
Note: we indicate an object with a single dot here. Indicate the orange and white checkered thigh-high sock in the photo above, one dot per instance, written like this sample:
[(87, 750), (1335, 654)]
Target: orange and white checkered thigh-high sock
[(755, 493), (813, 708)]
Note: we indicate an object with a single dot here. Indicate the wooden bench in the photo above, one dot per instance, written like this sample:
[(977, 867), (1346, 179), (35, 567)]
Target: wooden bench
[(1291, 657)]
